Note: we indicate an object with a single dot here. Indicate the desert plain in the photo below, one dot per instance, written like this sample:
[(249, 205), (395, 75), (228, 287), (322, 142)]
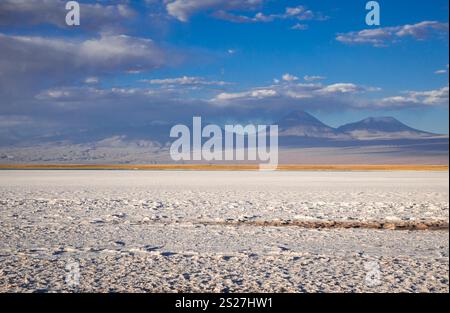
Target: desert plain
[(366, 230)]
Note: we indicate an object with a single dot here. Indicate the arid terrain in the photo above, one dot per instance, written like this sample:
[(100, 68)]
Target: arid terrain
[(228, 167), (365, 230)]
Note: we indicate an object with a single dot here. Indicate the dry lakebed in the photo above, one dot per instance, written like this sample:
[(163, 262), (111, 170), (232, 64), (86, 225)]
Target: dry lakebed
[(240, 231)]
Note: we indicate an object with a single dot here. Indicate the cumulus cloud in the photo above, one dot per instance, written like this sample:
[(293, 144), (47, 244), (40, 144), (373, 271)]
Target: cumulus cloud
[(308, 95), (289, 78), (225, 10), (442, 71), (92, 80), (342, 88), (299, 26), (292, 78), (418, 98), (381, 37), (36, 62), (94, 16), (337, 96), (184, 9), (297, 13), (65, 95), (310, 78), (251, 94), (186, 80)]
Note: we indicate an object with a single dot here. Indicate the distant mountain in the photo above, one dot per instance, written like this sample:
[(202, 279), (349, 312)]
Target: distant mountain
[(300, 129), (303, 124), (383, 137), (382, 128)]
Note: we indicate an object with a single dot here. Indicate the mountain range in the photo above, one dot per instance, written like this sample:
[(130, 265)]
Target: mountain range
[(297, 131), (303, 124), (301, 129)]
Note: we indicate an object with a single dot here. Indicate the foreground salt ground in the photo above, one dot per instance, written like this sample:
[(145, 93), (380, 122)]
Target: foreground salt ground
[(222, 231)]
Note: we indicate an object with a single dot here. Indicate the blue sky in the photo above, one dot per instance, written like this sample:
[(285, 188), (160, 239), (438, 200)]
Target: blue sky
[(132, 62)]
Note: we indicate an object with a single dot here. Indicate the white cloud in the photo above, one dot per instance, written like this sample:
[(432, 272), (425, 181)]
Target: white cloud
[(185, 80), (108, 52), (86, 94), (381, 37), (184, 9), (225, 10), (342, 88), (299, 26), (418, 98), (91, 80), (289, 78), (33, 61), (310, 78), (442, 71), (313, 95), (252, 94), (335, 96), (122, 50), (95, 16), (297, 13)]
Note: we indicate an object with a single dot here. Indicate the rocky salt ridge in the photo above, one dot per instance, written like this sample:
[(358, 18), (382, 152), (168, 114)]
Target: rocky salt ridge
[(256, 211)]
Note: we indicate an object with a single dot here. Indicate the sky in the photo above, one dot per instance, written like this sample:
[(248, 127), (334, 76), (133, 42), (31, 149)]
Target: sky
[(158, 62)]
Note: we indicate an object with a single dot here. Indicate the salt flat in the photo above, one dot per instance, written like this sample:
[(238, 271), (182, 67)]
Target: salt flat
[(222, 231)]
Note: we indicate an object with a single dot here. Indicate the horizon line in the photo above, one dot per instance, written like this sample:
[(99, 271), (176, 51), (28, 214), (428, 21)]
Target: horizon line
[(230, 167)]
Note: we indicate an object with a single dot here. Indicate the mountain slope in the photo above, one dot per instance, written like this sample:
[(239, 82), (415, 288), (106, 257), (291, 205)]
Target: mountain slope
[(382, 128), (303, 124)]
